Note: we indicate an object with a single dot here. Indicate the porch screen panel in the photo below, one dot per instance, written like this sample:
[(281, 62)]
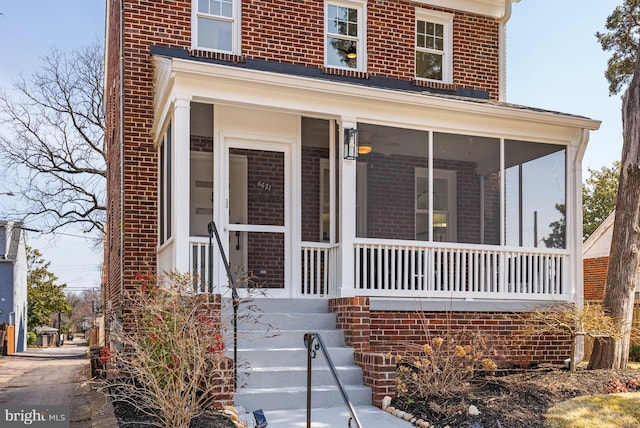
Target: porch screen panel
[(201, 169), (386, 182), (315, 187), (466, 193), (257, 255), (265, 261), (535, 194)]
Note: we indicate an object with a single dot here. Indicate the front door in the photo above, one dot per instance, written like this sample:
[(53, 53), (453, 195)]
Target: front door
[(258, 180)]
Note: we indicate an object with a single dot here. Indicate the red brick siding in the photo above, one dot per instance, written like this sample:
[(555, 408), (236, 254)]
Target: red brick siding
[(201, 144), (113, 78), (476, 53), (285, 31), (595, 277), (374, 334)]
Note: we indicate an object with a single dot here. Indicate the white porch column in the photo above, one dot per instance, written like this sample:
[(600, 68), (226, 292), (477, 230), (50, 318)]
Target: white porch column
[(347, 214), (181, 154)]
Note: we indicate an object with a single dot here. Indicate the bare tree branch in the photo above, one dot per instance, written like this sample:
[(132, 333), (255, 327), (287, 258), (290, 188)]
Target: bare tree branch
[(53, 141)]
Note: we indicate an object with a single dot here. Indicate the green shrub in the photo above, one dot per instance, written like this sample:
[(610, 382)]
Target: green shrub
[(31, 338), (634, 353)]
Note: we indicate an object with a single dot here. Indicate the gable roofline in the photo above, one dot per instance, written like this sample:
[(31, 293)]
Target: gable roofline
[(600, 239)]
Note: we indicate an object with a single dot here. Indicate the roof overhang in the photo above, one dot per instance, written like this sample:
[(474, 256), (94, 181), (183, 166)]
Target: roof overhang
[(211, 82), (493, 8)]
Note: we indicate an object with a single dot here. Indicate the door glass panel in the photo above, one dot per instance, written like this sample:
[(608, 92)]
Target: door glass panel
[(257, 201), (264, 263), (264, 190)]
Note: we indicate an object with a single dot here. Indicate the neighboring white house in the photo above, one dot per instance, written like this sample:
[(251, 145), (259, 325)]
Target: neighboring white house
[(13, 281), (595, 254)]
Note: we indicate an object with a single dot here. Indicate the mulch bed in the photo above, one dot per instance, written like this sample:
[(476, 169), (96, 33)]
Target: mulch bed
[(130, 417), (512, 399)]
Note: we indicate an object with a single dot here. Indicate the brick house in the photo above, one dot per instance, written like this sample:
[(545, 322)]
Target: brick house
[(357, 153), (595, 256)]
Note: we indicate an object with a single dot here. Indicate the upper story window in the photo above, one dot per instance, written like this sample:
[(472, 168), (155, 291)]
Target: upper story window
[(344, 35), (217, 25), (434, 46)]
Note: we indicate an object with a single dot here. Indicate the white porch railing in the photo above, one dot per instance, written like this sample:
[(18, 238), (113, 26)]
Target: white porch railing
[(199, 262), (459, 270), (411, 269), (320, 269)]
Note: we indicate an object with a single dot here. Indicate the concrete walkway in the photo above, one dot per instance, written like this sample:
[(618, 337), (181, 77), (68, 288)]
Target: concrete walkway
[(336, 417), (55, 376), (58, 376)]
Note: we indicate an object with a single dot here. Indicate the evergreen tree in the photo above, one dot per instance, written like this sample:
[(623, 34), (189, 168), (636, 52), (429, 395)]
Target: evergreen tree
[(44, 296)]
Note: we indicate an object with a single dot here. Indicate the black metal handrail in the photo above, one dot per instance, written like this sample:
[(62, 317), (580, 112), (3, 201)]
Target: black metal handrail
[(235, 298), (309, 340)]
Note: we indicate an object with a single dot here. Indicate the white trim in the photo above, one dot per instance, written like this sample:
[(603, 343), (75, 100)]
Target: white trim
[(360, 39), (446, 20), (266, 143), (451, 177), (296, 93), (493, 8), (236, 27)]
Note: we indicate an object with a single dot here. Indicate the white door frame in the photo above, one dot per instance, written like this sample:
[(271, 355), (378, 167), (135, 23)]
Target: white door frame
[(263, 144)]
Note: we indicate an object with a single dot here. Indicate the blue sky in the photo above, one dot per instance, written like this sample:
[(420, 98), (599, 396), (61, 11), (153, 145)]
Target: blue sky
[(553, 61)]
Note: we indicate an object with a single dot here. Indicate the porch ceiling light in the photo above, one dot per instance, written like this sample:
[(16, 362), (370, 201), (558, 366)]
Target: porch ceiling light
[(352, 53), (350, 143), (364, 149)]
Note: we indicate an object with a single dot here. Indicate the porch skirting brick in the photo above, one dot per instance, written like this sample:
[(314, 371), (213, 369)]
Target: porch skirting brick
[(376, 334)]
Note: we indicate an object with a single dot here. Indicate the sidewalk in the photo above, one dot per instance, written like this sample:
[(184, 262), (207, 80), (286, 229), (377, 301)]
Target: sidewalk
[(56, 376)]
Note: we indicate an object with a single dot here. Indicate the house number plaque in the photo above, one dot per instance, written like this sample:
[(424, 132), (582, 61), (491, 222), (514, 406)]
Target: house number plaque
[(264, 186)]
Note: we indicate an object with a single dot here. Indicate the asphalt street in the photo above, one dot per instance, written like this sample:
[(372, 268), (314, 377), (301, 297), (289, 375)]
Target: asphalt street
[(56, 376)]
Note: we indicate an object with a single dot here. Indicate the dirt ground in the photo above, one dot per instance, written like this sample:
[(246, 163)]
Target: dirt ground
[(508, 400), (129, 417), (514, 399)]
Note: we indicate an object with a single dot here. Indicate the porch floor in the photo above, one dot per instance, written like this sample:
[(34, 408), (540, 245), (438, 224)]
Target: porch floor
[(369, 416)]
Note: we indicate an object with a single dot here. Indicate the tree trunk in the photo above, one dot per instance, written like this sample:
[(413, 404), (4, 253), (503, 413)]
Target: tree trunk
[(613, 352)]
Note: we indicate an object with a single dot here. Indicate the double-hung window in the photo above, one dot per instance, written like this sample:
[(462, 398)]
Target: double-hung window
[(345, 34), (434, 46), (217, 25)]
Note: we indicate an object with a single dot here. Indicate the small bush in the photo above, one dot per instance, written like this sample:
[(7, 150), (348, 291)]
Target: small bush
[(615, 386), (634, 353), (31, 338), (169, 362), (442, 366)]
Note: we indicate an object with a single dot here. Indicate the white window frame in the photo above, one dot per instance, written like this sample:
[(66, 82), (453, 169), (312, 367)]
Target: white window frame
[(446, 20), (450, 176), (165, 183), (360, 39), (236, 28)]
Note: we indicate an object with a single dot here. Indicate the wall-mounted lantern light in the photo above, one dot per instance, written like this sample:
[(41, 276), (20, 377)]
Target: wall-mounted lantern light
[(350, 143)]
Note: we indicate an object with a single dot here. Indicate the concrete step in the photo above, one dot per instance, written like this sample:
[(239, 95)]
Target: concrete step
[(331, 417), (296, 397), (295, 356), (272, 357), (281, 338), (263, 377), (297, 321), (275, 305)]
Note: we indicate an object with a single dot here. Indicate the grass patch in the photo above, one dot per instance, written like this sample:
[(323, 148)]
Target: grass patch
[(597, 411), (633, 365)]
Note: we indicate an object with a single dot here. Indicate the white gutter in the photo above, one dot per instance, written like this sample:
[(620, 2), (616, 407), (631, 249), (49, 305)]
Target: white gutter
[(502, 54)]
